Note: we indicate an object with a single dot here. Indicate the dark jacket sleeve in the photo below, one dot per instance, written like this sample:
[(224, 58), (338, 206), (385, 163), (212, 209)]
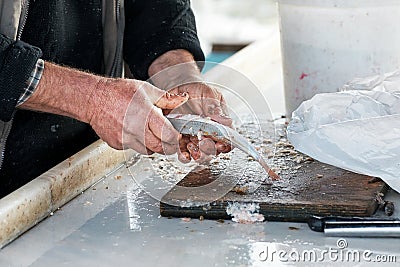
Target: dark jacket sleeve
[(17, 60), (154, 27)]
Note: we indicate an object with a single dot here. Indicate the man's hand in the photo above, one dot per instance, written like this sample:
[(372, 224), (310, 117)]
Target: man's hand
[(209, 102), (203, 100), (127, 114), (123, 112)]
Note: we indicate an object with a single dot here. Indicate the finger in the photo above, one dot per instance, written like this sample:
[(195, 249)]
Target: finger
[(152, 142), (197, 154), (212, 108), (207, 101), (175, 91), (218, 139), (162, 128), (179, 110), (195, 99), (183, 153), (163, 99), (222, 118), (171, 101), (184, 157), (194, 139), (137, 146), (183, 143), (228, 148), (169, 149), (195, 105), (207, 146), (194, 151), (222, 147), (185, 138), (155, 144)]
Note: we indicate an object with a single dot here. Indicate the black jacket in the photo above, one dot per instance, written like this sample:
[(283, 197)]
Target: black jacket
[(69, 32)]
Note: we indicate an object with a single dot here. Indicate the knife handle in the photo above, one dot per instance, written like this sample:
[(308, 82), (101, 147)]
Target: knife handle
[(363, 228), (355, 226)]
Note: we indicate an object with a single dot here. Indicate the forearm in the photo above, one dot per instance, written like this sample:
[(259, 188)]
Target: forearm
[(171, 58), (64, 91)]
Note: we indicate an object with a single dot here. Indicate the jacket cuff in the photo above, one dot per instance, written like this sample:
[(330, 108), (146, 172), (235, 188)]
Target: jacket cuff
[(173, 39), (19, 59), (32, 82)]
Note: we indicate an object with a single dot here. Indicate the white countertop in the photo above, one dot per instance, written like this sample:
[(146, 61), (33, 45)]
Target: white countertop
[(118, 225)]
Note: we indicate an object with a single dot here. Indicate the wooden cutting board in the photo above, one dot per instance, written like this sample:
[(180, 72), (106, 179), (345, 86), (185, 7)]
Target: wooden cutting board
[(307, 187)]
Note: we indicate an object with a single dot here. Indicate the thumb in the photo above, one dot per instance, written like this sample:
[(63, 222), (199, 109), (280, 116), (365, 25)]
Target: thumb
[(163, 99), (171, 101)]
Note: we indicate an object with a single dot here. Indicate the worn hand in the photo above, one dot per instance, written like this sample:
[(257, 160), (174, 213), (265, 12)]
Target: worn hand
[(127, 114), (209, 102), (167, 71)]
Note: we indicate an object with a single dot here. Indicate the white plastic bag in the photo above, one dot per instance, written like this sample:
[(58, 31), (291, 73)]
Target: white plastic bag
[(357, 129)]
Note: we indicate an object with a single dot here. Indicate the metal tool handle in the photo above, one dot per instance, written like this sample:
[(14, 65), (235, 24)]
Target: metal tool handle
[(363, 229), (355, 226)]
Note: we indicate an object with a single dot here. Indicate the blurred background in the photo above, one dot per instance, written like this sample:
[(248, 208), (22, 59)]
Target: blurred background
[(226, 26)]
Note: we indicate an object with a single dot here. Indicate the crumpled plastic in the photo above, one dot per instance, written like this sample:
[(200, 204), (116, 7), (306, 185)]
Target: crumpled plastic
[(357, 129)]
